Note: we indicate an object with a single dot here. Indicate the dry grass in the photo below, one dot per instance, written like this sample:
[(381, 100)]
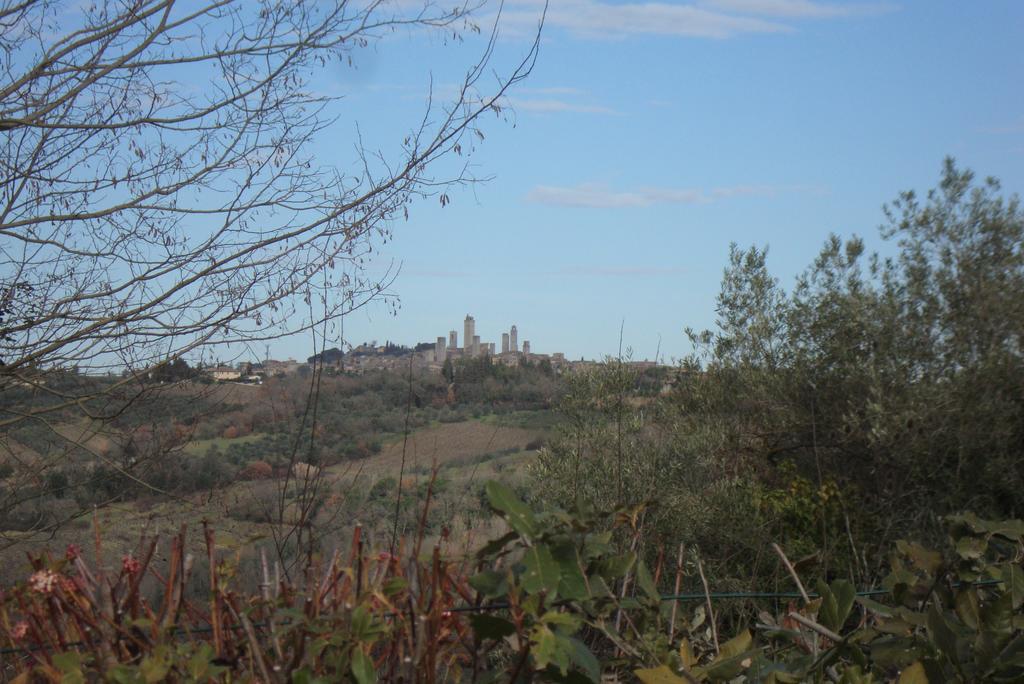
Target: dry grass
[(454, 445), (442, 444)]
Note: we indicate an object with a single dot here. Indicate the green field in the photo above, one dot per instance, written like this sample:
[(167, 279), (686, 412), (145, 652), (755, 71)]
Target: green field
[(201, 446)]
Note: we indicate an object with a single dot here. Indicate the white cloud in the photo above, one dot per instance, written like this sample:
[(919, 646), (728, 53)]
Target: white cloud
[(796, 9), (554, 106), (436, 273), (596, 196), (551, 90), (601, 197), (697, 19), (595, 19), (615, 271)]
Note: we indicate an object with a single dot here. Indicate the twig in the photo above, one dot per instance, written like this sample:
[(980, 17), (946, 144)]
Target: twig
[(254, 644), (792, 572), (625, 582), (711, 610), (815, 627), (678, 584), (265, 593), (401, 469)]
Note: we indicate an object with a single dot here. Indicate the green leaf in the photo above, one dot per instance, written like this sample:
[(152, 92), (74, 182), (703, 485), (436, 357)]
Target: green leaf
[(121, 674), (1013, 578), (845, 594), (597, 544), (914, 674), (360, 624), (967, 607), (304, 676), (780, 676), (942, 635), (394, 586), (894, 652), (362, 668), (496, 545), (583, 659), (1011, 657), (154, 669), (542, 572), (490, 626), (836, 603), (67, 662), (550, 648), (828, 614), (490, 583), (658, 675), (971, 548), (557, 619), (70, 666), (875, 606), (894, 626), (614, 567), (1011, 529), (925, 559), (200, 665), (646, 582), (511, 508), (734, 657), (572, 584), (997, 615), (737, 645)]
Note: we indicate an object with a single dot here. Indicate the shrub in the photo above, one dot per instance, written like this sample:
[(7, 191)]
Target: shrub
[(256, 470), (552, 599)]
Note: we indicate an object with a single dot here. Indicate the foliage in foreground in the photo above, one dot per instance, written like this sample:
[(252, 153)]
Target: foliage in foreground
[(551, 600), (876, 395)]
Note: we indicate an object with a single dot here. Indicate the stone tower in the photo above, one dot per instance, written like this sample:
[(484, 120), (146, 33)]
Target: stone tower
[(468, 331)]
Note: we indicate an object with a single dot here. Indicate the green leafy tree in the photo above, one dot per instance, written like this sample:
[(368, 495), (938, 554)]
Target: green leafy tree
[(857, 407), (896, 378)]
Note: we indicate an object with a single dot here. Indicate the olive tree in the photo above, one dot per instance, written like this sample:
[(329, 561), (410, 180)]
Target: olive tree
[(856, 407), (892, 381)]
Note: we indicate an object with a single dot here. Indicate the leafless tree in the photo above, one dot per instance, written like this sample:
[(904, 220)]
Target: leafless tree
[(160, 192)]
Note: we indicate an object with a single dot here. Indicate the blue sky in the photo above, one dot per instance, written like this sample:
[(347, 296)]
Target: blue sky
[(651, 135)]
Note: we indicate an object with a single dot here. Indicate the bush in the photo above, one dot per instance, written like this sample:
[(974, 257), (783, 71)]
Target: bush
[(547, 596), (256, 470)]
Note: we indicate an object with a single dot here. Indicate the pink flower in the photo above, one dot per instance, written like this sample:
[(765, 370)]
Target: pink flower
[(130, 565), (43, 581), (19, 631), (385, 556), (72, 552)]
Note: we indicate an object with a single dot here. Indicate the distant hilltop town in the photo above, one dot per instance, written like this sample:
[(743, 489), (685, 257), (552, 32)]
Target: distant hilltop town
[(432, 356), (428, 356), (472, 346)]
